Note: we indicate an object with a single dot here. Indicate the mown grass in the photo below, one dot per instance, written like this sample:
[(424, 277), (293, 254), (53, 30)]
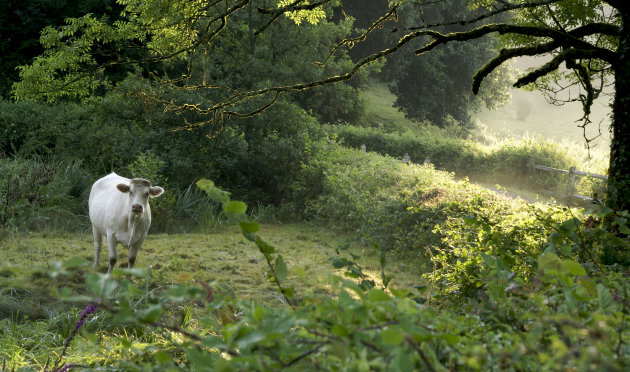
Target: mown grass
[(34, 324), (222, 255)]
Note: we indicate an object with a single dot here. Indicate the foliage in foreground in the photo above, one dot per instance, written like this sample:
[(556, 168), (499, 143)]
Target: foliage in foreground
[(565, 315)]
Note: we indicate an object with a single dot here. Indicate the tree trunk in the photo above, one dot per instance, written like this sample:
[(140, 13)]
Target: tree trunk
[(618, 195)]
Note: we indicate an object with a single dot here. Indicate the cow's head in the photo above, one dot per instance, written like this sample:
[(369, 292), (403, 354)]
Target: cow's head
[(140, 190)]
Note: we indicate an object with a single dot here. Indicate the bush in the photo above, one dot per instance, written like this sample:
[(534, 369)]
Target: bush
[(39, 194), (253, 158), (441, 225)]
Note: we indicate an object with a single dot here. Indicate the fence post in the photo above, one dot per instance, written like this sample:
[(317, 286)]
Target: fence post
[(571, 185)]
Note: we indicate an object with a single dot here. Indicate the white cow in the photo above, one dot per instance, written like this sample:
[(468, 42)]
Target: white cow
[(120, 211)]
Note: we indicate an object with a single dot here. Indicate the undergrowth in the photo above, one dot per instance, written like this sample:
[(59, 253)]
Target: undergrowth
[(562, 306)]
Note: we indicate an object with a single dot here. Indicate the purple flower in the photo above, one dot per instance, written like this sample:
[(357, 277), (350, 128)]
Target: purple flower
[(83, 317), (66, 367)]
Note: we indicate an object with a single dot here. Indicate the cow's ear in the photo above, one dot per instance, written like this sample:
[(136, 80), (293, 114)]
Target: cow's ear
[(156, 191), (124, 188)]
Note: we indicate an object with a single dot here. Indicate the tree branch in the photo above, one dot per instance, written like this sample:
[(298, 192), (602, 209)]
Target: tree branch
[(350, 41), (565, 38), (565, 55), (507, 8), (506, 54)]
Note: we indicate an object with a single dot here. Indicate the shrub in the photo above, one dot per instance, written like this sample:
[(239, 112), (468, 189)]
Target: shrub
[(441, 225), (253, 158), (41, 194)]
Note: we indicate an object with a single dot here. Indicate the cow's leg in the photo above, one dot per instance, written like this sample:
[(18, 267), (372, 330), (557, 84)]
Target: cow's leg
[(98, 240), (113, 251), (133, 252)]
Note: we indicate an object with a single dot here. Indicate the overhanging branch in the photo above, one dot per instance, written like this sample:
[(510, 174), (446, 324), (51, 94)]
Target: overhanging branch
[(566, 39), (564, 56), (508, 7), (506, 54), (294, 6)]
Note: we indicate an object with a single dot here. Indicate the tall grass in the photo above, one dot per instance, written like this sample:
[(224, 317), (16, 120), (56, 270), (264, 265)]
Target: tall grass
[(193, 205), (40, 194)]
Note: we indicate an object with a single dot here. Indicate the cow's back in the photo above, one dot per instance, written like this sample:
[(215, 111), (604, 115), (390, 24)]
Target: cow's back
[(107, 203)]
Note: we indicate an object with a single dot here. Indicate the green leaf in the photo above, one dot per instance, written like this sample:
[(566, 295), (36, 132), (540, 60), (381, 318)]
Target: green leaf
[(339, 330), (75, 262), (392, 336), (150, 314), (213, 192), (549, 261), (353, 272), (205, 185), (605, 298), (402, 361), (489, 259), (450, 338), (212, 341), (123, 272), (264, 247), (400, 293), (100, 284), (162, 358), (288, 292), (338, 263), (235, 207), (280, 269), (200, 361), (249, 226), (588, 285), (378, 295), (386, 279), (573, 268)]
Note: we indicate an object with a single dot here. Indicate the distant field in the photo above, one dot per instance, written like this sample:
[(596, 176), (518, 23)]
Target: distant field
[(542, 119), (539, 118), (380, 110)]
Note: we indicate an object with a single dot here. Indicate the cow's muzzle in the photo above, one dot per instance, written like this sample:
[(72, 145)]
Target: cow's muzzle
[(136, 208)]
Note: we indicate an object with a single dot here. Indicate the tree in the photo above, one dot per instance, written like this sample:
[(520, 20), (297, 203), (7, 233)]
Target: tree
[(423, 85), (590, 37), (22, 21)]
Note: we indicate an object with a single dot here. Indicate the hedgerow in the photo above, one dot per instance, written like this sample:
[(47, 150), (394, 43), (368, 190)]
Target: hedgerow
[(506, 162)]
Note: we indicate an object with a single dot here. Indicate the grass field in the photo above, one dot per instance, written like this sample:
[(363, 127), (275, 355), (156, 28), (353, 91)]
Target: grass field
[(34, 325), (222, 255), (380, 111), (530, 115), (527, 115)]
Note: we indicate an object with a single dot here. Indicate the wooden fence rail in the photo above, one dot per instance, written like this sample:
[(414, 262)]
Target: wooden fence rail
[(573, 173)]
